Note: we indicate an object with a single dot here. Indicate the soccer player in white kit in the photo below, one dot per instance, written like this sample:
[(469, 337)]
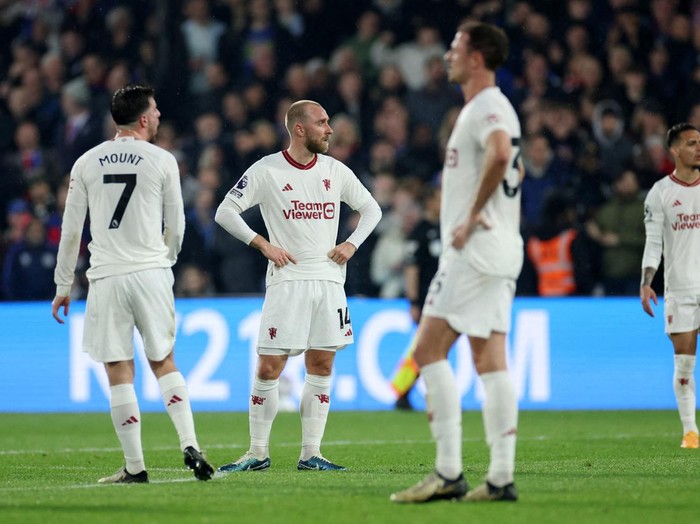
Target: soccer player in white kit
[(672, 221), (131, 189), (299, 191), (473, 289)]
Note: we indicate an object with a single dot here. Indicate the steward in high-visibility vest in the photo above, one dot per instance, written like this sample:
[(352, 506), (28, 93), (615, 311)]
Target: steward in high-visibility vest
[(553, 263)]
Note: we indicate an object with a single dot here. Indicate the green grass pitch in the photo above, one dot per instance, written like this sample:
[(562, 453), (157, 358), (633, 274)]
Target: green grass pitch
[(578, 467)]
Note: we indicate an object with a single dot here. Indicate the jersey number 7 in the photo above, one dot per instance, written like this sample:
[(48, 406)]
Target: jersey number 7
[(511, 191), (129, 181)]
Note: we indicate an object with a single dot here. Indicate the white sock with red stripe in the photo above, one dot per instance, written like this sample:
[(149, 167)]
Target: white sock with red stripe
[(314, 406), (445, 417), (262, 410), (126, 418), (684, 389), (500, 412), (173, 391)]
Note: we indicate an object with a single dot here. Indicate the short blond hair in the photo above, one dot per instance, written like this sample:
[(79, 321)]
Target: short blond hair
[(297, 112)]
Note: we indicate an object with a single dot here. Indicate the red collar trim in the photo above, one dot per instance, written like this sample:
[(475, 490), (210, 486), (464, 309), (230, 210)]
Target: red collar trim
[(686, 184), (296, 164)]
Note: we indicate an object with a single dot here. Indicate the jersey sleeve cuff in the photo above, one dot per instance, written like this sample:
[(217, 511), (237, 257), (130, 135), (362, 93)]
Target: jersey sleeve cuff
[(63, 291)]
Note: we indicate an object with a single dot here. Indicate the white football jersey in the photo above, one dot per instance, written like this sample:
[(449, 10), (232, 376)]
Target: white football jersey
[(132, 191), (672, 221), (300, 205), (497, 251)]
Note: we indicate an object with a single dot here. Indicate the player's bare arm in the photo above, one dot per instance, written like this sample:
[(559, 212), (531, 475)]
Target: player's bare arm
[(341, 253), (646, 293), (496, 161), (278, 256)]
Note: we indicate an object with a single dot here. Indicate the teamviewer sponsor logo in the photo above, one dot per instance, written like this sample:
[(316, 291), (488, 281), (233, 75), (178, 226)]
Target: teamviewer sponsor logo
[(310, 211), (686, 221)]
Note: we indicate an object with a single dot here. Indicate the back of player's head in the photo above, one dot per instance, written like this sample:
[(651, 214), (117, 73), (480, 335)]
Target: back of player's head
[(489, 40), (130, 102), (675, 132), (296, 113)]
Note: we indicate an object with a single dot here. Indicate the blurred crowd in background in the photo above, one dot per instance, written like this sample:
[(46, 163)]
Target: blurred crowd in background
[(596, 83)]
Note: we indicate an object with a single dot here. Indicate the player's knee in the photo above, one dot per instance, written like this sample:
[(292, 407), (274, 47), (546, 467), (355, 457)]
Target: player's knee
[(423, 355), (321, 370), (270, 369), (163, 367)]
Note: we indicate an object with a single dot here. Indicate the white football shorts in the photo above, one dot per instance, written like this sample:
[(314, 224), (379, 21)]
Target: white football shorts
[(116, 304), (682, 313), (304, 314), (471, 302)]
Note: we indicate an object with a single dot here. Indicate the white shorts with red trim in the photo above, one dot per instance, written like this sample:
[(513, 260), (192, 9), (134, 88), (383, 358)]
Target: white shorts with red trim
[(304, 314)]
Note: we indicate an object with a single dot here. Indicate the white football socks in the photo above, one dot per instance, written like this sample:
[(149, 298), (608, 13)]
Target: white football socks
[(262, 410), (500, 413), (445, 417), (173, 390), (684, 389), (126, 418), (314, 406)]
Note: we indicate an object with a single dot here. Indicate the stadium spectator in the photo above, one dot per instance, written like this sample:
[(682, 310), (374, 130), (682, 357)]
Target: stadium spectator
[(198, 244), (29, 162), (322, 87), (615, 148), (388, 255), (52, 71), (81, 129), (420, 159), (72, 49), (121, 40), (353, 100), (618, 228), (208, 130), (234, 112), (29, 264), (544, 174), (95, 75), (17, 219), (411, 56), (392, 124), (390, 82), (296, 82), (558, 258), (619, 61), (237, 271), (362, 41), (346, 145), (193, 281), (429, 104), (201, 33), (357, 274), (629, 28)]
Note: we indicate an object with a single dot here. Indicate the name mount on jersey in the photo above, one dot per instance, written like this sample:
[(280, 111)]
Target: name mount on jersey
[(120, 158), (310, 211)]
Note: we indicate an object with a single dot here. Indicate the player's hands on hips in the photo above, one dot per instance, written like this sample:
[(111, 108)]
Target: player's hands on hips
[(647, 295), (462, 233), (341, 253), (277, 255), (57, 304)]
